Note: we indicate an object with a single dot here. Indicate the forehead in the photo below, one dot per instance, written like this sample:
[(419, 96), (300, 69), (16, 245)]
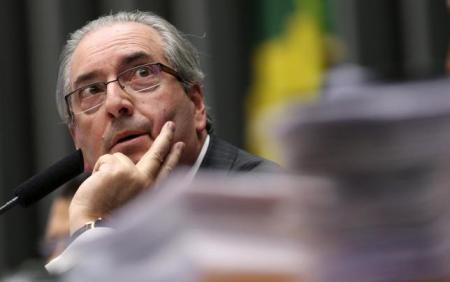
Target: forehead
[(109, 45)]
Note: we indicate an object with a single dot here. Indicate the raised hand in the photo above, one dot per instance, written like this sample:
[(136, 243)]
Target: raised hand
[(116, 179)]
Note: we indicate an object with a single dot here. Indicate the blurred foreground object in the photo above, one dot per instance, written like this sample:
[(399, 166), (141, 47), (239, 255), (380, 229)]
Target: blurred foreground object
[(242, 230), (352, 80), (386, 218), (381, 129)]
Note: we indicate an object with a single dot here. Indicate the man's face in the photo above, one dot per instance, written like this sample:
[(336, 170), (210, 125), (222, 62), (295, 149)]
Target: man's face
[(129, 123)]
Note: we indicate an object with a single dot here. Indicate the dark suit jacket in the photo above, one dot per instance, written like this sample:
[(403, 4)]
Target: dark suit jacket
[(221, 155)]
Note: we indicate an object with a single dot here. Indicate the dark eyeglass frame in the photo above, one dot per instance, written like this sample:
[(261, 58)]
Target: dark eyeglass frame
[(161, 67)]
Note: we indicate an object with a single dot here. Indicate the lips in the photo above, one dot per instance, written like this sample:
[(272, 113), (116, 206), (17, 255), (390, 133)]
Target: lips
[(126, 137)]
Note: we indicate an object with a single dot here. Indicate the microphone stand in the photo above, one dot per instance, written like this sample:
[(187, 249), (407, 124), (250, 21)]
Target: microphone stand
[(10, 204)]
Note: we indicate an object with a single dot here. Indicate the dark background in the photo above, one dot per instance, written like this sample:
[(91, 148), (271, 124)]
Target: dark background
[(398, 39)]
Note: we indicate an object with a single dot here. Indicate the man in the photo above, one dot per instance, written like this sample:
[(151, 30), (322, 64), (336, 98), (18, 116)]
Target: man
[(129, 87)]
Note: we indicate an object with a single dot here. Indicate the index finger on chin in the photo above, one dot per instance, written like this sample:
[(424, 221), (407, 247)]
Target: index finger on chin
[(152, 160)]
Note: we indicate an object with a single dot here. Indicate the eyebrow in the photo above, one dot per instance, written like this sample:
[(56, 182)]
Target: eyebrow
[(83, 78), (133, 58), (124, 62)]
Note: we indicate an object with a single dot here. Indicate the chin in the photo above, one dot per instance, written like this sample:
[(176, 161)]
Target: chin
[(134, 154), (135, 157)]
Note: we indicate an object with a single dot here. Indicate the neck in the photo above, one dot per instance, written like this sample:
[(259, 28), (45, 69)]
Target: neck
[(191, 151)]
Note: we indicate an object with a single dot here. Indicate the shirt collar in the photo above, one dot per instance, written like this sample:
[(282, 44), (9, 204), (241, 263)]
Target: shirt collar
[(194, 169)]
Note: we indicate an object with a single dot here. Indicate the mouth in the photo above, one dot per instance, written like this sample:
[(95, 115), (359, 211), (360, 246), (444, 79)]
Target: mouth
[(125, 137)]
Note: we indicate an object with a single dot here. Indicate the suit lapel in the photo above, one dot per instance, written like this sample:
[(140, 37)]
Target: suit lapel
[(220, 155)]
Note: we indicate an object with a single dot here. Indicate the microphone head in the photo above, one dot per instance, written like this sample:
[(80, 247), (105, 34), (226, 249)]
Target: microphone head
[(50, 179)]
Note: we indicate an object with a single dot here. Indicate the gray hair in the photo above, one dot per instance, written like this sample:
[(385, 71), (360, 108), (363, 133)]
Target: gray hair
[(178, 51)]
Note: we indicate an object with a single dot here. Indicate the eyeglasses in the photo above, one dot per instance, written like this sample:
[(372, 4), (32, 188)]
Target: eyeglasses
[(140, 79)]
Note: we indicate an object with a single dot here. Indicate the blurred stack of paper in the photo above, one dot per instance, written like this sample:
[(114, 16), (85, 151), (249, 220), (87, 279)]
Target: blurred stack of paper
[(217, 229), (386, 215), (388, 131)]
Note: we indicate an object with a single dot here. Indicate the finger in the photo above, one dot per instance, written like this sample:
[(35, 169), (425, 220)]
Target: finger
[(103, 160), (151, 161), (124, 159), (171, 161)]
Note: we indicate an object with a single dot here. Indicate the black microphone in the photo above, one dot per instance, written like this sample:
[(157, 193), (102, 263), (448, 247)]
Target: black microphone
[(46, 181)]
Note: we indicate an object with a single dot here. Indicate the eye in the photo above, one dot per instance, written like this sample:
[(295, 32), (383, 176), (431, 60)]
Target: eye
[(91, 90), (143, 72), (140, 79)]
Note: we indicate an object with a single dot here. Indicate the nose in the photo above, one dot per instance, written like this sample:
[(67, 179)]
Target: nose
[(117, 102)]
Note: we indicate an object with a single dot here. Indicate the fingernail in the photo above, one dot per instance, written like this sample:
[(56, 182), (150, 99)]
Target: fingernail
[(170, 125), (180, 145)]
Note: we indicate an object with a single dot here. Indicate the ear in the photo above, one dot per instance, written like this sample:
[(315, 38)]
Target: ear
[(195, 94)]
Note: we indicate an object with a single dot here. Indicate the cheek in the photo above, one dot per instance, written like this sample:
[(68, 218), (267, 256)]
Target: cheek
[(157, 113), (89, 140), (171, 105)]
